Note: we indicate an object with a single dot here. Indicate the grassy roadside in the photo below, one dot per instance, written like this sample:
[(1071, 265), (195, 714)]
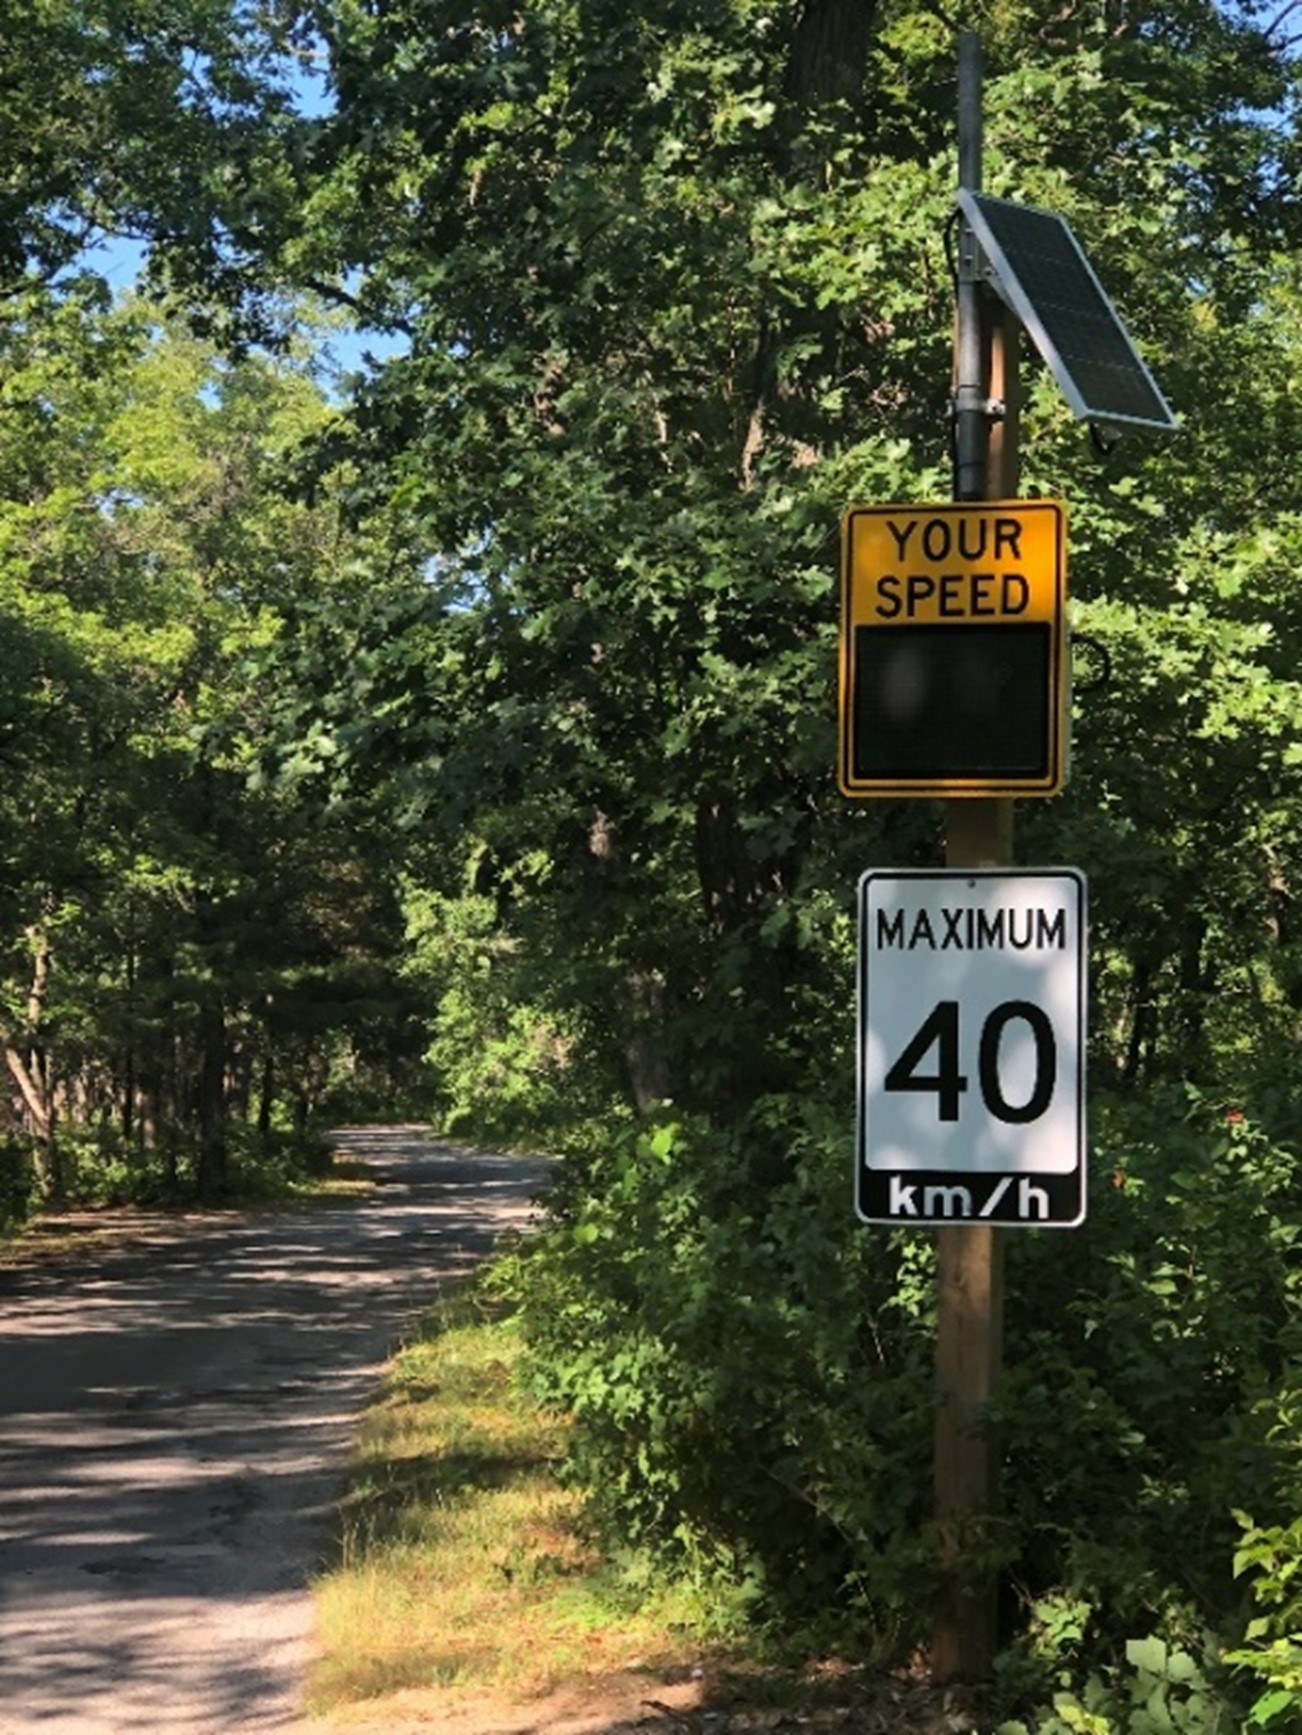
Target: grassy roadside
[(463, 1600), (459, 1565)]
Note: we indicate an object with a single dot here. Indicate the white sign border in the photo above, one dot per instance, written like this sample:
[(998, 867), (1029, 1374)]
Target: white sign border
[(944, 1184)]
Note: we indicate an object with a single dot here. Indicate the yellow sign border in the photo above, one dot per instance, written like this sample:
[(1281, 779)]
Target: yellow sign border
[(1049, 594)]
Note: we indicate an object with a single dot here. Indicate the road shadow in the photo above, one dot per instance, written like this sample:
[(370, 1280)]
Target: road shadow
[(175, 1416)]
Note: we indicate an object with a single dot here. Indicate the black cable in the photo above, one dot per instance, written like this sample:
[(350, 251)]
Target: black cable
[(951, 252), (1100, 650)]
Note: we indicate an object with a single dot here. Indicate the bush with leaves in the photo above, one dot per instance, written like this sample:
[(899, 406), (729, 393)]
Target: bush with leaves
[(1151, 1365), (1159, 1689), (750, 1376), (1272, 1653), (750, 1385)]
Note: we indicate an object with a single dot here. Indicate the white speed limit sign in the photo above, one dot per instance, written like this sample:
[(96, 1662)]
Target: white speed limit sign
[(972, 1046)]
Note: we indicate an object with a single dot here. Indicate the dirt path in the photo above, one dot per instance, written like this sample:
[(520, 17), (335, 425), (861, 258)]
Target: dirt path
[(175, 1413)]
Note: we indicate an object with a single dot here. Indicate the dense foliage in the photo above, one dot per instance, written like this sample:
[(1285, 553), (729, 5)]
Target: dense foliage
[(486, 710), (186, 946)]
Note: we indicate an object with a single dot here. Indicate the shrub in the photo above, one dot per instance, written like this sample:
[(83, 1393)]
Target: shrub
[(750, 1379)]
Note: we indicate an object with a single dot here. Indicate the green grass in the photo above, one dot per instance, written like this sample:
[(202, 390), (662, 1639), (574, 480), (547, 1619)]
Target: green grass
[(459, 1559)]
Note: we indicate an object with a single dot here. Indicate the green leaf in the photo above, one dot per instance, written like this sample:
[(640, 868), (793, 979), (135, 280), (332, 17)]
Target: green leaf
[(1149, 1654), (1271, 1705)]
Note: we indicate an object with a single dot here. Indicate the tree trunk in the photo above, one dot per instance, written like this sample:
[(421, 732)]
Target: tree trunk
[(266, 1096), (212, 1099), (33, 1074), (644, 1048), (1142, 1022), (829, 51)]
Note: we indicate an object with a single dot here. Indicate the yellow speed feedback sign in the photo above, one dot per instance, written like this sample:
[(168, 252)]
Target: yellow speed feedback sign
[(953, 649)]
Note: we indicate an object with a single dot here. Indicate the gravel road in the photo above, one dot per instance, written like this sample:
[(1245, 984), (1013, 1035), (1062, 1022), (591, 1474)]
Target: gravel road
[(176, 1409)]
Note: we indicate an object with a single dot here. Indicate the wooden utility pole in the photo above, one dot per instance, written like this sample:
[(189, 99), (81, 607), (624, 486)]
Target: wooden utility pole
[(978, 834)]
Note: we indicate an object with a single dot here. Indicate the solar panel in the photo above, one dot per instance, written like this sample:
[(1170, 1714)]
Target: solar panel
[(1037, 266)]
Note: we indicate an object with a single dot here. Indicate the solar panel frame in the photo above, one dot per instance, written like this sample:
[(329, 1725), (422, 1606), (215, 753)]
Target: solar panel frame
[(1044, 276)]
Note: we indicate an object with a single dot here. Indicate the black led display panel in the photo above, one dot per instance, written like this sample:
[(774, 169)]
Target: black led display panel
[(933, 701)]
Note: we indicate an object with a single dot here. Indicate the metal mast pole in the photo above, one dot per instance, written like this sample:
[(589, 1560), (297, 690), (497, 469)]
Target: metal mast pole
[(971, 424), (978, 833)]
